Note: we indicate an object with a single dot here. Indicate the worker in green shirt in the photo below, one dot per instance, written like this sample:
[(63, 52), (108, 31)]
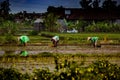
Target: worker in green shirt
[(94, 40), (23, 39)]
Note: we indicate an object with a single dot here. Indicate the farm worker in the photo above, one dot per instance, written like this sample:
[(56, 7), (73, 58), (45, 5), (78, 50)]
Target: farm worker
[(23, 40), (93, 40), (55, 40)]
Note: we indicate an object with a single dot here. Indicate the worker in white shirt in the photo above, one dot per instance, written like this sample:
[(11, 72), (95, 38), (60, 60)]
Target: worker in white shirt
[(55, 41)]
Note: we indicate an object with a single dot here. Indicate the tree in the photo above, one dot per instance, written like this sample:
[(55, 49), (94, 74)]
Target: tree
[(109, 4), (85, 4), (55, 10), (50, 22), (4, 8), (80, 25), (96, 4), (51, 9)]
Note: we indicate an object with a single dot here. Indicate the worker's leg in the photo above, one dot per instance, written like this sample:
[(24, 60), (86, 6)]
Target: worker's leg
[(54, 43), (25, 44), (95, 44)]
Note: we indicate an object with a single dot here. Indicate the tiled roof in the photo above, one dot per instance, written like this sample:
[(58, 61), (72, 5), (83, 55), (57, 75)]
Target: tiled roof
[(93, 14)]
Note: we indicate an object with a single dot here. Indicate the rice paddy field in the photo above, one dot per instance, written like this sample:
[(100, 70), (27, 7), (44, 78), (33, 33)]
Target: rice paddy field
[(73, 47)]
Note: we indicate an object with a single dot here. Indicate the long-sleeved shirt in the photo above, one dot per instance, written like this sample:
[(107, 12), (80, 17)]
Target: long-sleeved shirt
[(56, 38), (94, 39)]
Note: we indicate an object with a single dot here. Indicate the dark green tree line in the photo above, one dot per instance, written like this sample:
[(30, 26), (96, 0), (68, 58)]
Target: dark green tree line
[(4, 9), (107, 4)]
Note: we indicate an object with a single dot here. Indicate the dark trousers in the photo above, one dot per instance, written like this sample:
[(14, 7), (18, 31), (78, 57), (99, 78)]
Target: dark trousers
[(55, 43)]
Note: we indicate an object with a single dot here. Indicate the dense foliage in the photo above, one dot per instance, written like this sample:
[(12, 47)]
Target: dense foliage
[(103, 27), (51, 22), (8, 27), (4, 9)]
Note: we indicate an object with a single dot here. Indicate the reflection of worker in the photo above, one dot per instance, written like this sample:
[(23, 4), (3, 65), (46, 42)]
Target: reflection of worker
[(55, 40), (23, 40), (93, 40), (24, 53)]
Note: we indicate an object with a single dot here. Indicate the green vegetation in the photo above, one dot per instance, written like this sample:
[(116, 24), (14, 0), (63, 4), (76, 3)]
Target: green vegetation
[(67, 66), (50, 23), (66, 38), (70, 70), (8, 27), (81, 38), (103, 27)]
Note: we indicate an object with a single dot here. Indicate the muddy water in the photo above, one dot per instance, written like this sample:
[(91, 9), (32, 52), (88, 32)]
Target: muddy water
[(106, 49)]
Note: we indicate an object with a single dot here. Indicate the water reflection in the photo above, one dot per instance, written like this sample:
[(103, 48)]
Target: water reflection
[(23, 53), (11, 49), (32, 50)]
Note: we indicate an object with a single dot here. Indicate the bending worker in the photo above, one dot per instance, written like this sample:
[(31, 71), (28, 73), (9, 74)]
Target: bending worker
[(94, 41), (55, 41), (23, 40)]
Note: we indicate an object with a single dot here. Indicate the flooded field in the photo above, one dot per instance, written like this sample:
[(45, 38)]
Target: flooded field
[(104, 49), (29, 64)]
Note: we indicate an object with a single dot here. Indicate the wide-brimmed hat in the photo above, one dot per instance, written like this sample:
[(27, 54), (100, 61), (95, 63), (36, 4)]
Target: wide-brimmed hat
[(88, 38)]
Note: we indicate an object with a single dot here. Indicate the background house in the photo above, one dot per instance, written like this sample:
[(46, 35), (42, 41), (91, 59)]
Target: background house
[(38, 25)]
